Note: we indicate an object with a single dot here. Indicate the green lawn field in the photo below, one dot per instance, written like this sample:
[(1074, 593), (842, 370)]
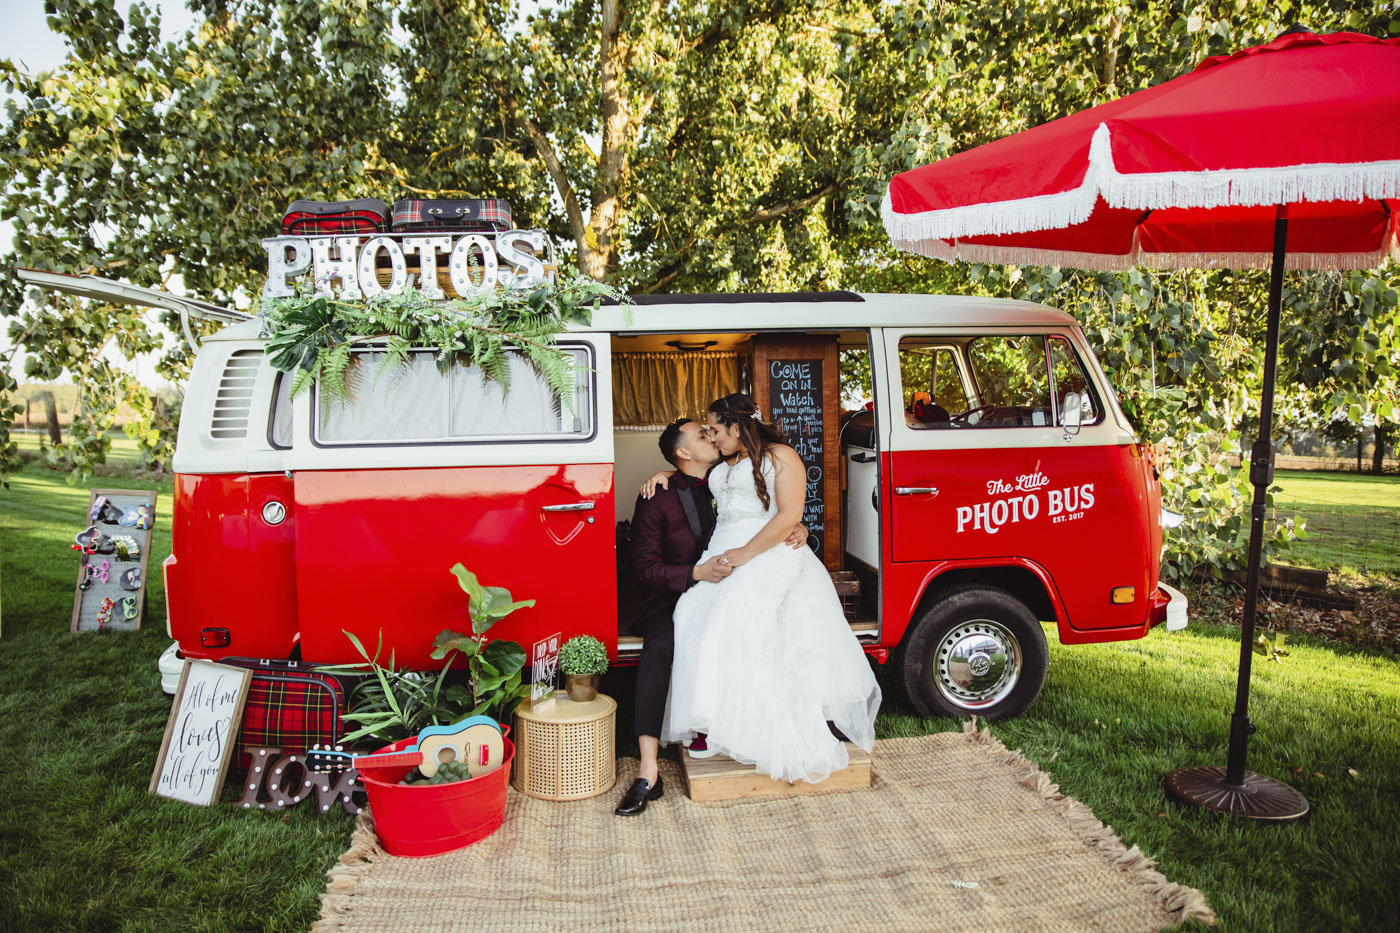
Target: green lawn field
[(1353, 520), (122, 453), (83, 846)]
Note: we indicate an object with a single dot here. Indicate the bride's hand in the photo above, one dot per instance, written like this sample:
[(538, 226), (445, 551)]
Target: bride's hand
[(660, 478), (734, 557)]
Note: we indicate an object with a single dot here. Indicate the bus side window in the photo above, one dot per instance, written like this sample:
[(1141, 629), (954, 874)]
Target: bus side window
[(1070, 377), (948, 389), (279, 432)]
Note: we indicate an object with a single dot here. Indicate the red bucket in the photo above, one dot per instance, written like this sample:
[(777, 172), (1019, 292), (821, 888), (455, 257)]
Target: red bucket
[(430, 819)]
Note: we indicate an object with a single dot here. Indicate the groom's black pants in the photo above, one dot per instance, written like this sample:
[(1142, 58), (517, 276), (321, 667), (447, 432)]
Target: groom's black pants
[(654, 670)]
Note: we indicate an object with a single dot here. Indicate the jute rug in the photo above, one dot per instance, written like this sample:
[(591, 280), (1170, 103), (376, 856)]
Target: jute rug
[(956, 833)]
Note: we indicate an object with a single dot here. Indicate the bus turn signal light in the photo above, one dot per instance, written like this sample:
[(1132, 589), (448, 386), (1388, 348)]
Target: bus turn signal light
[(1122, 594)]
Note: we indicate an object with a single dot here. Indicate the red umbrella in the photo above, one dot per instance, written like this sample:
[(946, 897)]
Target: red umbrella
[(1281, 156)]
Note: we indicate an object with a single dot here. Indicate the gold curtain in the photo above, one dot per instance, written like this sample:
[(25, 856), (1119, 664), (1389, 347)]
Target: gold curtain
[(652, 389)]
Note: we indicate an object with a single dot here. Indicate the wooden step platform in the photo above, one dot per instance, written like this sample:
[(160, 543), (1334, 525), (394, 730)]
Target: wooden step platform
[(722, 778)]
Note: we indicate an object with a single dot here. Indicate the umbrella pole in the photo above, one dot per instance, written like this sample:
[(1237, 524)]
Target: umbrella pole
[(1233, 789)]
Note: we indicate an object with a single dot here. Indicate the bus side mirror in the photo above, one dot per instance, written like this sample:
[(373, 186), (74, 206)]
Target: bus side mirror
[(1070, 414)]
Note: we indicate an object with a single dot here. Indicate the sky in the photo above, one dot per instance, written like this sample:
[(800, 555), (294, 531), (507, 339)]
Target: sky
[(27, 41)]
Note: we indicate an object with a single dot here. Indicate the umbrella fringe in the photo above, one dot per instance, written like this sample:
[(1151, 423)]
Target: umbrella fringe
[(1243, 187), (1027, 256)]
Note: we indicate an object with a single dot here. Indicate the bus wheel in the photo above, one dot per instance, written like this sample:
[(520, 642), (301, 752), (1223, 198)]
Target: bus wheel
[(978, 651)]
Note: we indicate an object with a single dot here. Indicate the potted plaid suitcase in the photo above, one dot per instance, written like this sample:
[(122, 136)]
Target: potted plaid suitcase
[(310, 218), (463, 215)]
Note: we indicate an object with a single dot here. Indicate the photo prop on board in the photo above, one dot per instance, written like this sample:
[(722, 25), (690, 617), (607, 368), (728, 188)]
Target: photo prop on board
[(199, 736), (114, 549)]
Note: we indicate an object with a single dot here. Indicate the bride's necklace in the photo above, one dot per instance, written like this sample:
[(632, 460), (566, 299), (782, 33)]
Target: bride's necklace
[(733, 467)]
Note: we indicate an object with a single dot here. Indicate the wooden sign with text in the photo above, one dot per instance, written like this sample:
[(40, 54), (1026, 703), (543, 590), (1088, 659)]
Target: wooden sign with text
[(198, 743), (795, 384)]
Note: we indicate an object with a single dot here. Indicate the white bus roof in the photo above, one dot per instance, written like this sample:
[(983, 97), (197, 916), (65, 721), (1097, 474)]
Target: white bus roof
[(815, 311)]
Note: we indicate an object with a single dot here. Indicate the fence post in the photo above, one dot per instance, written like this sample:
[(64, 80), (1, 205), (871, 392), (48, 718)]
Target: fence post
[(1365, 535)]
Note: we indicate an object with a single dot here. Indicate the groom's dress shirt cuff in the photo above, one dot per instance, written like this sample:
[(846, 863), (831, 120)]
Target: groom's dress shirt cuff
[(648, 556)]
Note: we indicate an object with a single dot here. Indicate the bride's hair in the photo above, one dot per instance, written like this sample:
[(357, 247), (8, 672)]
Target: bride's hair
[(756, 434)]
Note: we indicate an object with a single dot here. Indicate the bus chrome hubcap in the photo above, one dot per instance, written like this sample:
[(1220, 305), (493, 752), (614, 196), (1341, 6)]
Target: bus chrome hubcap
[(979, 663)]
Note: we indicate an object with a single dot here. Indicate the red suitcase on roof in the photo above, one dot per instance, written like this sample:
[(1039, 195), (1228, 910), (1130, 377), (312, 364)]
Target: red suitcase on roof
[(309, 218)]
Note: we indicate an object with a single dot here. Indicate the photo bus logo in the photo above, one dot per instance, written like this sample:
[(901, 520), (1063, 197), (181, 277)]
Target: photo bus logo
[(1021, 501)]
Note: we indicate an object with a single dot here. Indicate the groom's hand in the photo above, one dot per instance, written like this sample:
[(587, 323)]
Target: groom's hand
[(798, 537), (711, 571)]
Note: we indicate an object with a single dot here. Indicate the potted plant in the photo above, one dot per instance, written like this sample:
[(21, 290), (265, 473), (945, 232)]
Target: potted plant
[(454, 810), (583, 659)]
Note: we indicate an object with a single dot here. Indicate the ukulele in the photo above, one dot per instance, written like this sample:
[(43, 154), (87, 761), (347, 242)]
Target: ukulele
[(476, 740)]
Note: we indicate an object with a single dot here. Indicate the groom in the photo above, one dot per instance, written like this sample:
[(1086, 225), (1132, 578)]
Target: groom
[(670, 531)]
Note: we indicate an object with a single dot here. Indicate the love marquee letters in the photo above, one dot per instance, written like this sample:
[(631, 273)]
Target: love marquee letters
[(288, 782)]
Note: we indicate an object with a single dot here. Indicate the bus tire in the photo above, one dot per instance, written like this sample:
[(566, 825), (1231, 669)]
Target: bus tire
[(977, 651)]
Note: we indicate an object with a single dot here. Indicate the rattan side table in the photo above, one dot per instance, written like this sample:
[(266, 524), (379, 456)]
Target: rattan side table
[(565, 751)]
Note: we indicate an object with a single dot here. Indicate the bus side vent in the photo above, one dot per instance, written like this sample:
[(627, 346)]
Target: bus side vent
[(234, 401)]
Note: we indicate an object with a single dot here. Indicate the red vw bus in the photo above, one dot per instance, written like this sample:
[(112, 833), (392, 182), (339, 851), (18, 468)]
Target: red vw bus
[(992, 483), (982, 481)]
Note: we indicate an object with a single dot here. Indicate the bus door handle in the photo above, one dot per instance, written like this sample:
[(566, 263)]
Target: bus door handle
[(570, 507), (916, 490), (861, 456)]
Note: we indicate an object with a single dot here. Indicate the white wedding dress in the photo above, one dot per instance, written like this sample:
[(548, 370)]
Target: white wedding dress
[(765, 657)]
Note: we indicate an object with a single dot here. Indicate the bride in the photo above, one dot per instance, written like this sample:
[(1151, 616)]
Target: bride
[(764, 659)]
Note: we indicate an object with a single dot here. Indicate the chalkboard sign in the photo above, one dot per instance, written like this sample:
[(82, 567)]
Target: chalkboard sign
[(795, 404), (198, 743)]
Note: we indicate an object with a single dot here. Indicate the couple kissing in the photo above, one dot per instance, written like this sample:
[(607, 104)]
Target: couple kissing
[(746, 650)]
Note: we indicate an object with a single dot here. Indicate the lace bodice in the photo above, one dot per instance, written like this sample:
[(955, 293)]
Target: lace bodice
[(735, 496)]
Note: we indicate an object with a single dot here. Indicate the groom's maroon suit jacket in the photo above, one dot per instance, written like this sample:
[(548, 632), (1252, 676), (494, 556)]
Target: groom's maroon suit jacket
[(666, 546)]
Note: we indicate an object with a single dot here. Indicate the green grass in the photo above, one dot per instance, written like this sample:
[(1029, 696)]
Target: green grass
[(1353, 520), (82, 845), (123, 453)]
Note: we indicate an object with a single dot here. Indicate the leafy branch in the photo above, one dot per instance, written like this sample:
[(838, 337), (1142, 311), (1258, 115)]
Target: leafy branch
[(311, 335)]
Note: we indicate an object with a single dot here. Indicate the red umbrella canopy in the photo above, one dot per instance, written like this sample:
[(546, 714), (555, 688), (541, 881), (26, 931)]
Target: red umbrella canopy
[(1186, 173)]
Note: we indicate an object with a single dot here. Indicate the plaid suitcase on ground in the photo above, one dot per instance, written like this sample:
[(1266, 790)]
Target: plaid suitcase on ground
[(312, 218), (291, 705), (467, 215)]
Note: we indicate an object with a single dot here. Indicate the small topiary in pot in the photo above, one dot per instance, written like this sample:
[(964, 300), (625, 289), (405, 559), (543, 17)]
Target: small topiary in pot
[(582, 659)]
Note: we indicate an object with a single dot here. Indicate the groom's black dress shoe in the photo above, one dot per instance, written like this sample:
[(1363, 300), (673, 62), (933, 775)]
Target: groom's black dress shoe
[(635, 800)]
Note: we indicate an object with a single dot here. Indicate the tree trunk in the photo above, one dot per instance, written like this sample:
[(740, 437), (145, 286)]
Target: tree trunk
[(1378, 455), (51, 411)]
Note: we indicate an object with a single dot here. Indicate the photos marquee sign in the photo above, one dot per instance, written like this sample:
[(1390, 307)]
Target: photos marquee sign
[(475, 263)]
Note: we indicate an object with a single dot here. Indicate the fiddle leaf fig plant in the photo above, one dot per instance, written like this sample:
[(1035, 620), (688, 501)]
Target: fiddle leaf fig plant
[(496, 667), (487, 604)]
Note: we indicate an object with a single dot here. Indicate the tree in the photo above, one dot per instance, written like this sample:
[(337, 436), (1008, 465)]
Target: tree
[(684, 146)]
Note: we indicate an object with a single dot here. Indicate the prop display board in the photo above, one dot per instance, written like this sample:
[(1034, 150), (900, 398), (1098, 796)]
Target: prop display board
[(198, 743), (88, 603), (796, 387)]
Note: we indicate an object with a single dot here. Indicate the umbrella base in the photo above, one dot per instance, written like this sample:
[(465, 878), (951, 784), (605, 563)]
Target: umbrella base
[(1259, 798)]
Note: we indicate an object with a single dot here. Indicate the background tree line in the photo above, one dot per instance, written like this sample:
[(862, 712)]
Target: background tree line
[(689, 146)]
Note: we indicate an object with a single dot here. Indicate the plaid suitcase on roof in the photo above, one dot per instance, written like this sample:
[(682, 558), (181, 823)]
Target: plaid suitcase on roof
[(311, 218), (467, 215)]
